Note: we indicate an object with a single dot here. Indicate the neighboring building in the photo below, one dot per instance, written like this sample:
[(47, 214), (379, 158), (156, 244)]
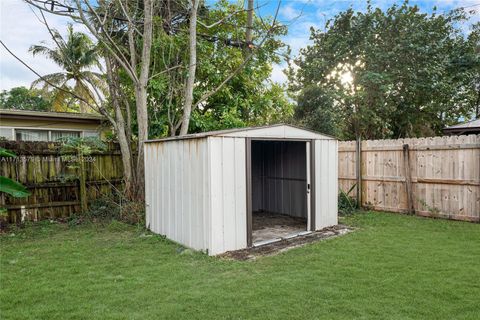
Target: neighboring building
[(24, 125), (228, 190), (471, 127)]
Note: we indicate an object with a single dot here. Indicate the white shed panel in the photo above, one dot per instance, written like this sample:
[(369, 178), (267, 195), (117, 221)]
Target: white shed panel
[(177, 194), (228, 194), (326, 183)]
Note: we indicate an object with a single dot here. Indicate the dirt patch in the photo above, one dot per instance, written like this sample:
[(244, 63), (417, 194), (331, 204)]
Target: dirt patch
[(286, 244)]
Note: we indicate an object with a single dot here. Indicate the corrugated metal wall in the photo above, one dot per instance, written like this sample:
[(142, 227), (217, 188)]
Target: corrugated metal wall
[(326, 183), (228, 194), (177, 188), (279, 182)]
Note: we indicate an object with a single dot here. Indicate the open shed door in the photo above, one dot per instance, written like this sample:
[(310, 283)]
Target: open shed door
[(279, 189)]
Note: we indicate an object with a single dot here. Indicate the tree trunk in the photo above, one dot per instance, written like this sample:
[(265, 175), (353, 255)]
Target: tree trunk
[(477, 106), (121, 128), (248, 34), (125, 150), (83, 107), (128, 128), (141, 95), (83, 183), (142, 120), (192, 67)]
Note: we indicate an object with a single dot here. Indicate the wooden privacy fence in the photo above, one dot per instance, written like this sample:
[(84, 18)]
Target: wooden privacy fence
[(52, 181), (437, 177)]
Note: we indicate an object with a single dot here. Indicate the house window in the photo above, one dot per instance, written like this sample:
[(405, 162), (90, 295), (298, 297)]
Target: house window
[(43, 135), (57, 134), (31, 135), (91, 133), (6, 133)]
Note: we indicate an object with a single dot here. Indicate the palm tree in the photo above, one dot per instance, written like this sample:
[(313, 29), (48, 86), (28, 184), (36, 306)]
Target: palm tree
[(77, 55)]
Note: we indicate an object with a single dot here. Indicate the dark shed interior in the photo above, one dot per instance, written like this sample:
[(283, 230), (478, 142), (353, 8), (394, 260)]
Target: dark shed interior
[(279, 189)]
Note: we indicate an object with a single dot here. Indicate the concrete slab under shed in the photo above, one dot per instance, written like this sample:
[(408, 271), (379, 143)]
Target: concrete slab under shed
[(287, 244), (268, 227)]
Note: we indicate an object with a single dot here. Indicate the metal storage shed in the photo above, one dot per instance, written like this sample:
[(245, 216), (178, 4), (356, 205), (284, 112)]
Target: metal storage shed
[(228, 190)]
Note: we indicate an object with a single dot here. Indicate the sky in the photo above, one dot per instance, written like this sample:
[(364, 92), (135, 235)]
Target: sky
[(20, 28)]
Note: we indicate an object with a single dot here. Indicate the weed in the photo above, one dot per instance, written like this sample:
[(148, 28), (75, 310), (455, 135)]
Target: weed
[(346, 204)]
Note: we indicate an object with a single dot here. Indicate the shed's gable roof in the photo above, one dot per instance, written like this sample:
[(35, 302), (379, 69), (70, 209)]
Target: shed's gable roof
[(278, 131)]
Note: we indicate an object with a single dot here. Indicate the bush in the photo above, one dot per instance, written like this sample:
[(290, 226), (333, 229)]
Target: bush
[(346, 204), (112, 207)]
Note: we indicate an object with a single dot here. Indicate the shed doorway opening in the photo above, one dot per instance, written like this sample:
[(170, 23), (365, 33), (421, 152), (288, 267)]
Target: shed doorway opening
[(280, 185)]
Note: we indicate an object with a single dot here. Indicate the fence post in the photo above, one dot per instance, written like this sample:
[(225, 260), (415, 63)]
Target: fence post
[(408, 179), (358, 171), (83, 183)]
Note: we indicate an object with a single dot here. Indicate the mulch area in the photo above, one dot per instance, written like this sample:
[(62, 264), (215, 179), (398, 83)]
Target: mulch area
[(286, 244)]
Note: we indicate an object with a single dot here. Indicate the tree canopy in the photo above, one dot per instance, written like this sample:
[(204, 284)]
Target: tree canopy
[(388, 74), (22, 98)]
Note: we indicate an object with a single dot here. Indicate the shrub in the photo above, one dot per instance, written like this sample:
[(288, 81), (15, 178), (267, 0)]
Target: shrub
[(115, 207), (346, 204)]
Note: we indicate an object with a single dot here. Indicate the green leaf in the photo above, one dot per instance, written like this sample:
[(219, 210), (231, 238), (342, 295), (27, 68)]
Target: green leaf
[(6, 153), (13, 188)]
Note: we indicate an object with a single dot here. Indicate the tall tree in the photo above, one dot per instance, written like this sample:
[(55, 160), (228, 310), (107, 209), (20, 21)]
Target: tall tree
[(124, 30), (387, 74), (76, 55), (192, 66)]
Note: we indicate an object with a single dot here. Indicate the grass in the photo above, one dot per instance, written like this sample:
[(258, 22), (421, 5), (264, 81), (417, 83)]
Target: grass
[(392, 267)]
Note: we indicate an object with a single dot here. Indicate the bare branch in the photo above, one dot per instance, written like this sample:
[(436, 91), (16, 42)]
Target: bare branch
[(131, 47), (221, 20), (130, 22), (49, 29), (118, 55), (165, 71), (38, 4)]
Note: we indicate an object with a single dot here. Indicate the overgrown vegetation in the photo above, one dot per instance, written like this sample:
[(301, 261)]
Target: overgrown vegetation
[(392, 266), (77, 149), (116, 207), (113, 206), (346, 203)]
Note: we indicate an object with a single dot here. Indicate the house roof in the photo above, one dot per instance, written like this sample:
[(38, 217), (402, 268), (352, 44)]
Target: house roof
[(467, 127), (62, 116), (272, 131)]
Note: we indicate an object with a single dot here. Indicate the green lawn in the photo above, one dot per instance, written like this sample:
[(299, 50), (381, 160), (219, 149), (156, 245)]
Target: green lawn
[(391, 267)]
